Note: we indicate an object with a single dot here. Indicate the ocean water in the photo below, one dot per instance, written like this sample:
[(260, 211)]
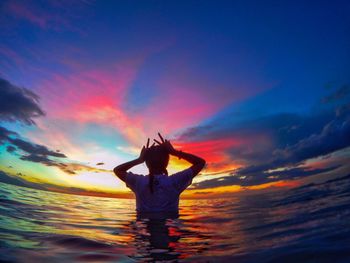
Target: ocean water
[(306, 224)]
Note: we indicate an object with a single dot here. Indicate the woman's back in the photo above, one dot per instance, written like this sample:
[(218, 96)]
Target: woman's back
[(166, 193), (158, 192)]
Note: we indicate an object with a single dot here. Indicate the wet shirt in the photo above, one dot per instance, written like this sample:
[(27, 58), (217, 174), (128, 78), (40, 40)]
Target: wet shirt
[(166, 190)]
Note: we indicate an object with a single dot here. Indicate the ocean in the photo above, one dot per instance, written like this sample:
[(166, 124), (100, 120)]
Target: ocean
[(306, 224)]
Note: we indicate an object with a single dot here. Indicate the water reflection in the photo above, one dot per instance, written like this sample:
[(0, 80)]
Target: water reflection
[(154, 241), (160, 237), (37, 226)]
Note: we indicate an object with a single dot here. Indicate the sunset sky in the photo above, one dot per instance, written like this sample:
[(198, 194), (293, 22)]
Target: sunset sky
[(259, 89)]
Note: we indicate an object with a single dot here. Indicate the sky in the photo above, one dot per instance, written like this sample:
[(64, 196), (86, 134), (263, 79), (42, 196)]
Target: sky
[(259, 89)]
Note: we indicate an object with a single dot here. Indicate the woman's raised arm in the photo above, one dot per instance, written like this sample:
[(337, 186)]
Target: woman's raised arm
[(121, 169)]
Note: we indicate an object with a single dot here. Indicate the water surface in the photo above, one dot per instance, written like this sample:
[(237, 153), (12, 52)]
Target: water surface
[(306, 224)]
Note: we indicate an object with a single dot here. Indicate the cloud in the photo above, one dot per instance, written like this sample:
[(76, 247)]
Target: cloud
[(285, 128), (257, 176), (18, 104), (28, 151), (37, 159), (41, 154), (290, 140), (34, 149), (33, 152), (72, 168), (10, 149), (334, 136), (259, 137), (5, 134), (93, 106), (339, 94)]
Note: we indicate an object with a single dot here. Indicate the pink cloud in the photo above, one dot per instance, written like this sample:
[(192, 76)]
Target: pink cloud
[(55, 135), (213, 151), (93, 96)]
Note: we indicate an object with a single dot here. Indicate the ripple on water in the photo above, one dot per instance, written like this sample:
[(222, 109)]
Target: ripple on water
[(306, 224)]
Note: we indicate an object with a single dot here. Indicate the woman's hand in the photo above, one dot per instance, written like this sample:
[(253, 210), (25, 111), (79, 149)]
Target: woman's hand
[(143, 152), (166, 144), (197, 162)]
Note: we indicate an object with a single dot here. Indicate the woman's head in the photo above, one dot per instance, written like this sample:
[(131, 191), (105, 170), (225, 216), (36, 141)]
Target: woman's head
[(157, 159)]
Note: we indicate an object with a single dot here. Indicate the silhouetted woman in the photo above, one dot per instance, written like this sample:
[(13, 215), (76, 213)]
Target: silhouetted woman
[(158, 192)]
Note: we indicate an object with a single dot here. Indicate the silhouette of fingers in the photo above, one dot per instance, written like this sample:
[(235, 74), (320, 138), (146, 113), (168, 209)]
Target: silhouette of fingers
[(153, 144), (160, 136), (157, 141), (147, 143)]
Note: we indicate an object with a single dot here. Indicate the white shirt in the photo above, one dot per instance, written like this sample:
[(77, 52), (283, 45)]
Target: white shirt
[(166, 190)]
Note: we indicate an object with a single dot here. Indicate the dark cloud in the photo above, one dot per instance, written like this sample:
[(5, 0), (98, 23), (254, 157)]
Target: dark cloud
[(37, 159), (34, 149), (18, 104), (339, 94), (33, 152), (334, 136), (37, 153), (5, 134), (257, 176), (342, 110), (10, 149), (28, 151), (285, 129), (295, 138), (72, 168), (100, 163)]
